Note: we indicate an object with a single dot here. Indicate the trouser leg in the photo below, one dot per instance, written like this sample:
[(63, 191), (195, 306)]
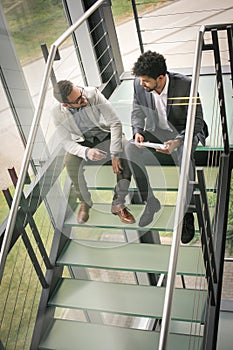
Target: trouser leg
[(74, 166), (123, 181), (189, 194), (135, 157), (75, 170)]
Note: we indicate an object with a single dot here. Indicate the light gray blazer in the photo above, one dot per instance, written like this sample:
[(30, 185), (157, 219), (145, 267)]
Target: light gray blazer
[(100, 112)]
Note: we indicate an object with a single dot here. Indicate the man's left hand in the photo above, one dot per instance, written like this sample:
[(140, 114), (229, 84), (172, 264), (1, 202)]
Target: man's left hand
[(116, 165), (171, 145)]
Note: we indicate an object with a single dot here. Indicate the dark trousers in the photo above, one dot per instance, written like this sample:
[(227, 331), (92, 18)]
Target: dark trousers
[(139, 157)]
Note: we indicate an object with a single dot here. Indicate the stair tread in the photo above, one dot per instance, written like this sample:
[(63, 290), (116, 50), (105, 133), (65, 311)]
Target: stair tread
[(100, 216), (128, 299), (150, 258), (167, 177), (65, 334)]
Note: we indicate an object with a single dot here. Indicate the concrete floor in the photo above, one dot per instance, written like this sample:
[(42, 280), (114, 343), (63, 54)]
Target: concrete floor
[(225, 334)]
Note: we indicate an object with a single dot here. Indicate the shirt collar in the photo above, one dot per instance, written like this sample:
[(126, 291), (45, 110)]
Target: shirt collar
[(165, 89), (74, 110)]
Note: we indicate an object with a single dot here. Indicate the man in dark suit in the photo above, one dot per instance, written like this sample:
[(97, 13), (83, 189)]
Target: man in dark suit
[(159, 115)]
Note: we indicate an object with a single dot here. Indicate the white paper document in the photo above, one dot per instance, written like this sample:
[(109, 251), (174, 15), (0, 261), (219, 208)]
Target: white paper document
[(150, 144)]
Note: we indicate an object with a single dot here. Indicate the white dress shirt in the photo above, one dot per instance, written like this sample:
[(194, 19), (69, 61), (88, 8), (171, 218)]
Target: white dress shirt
[(161, 105)]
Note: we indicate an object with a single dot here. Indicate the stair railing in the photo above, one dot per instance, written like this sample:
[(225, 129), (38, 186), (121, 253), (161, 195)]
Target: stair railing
[(216, 272), (182, 188), (33, 132), (206, 234), (223, 189)]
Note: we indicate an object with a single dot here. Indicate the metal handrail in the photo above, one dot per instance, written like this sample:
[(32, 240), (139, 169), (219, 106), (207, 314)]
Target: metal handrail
[(32, 135), (183, 181)]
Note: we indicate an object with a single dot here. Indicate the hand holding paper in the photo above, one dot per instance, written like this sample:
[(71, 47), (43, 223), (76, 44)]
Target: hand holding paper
[(150, 144)]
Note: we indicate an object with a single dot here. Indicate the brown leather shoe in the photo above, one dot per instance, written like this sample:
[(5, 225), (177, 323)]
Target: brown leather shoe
[(123, 213), (83, 213)]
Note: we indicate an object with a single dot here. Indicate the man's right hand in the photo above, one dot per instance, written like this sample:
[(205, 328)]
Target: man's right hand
[(116, 165), (95, 154), (138, 137)]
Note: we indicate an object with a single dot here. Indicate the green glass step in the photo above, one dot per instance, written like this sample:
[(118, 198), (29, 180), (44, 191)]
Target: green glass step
[(72, 335), (101, 216), (128, 299), (167, 177), (148, 258)]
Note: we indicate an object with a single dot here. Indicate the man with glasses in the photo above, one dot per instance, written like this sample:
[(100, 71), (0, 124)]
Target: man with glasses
[(90, 130), (159, 115)]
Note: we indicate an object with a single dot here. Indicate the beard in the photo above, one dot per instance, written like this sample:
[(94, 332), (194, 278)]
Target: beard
[(150, 89)]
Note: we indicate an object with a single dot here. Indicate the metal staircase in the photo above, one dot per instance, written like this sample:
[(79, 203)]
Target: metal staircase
[(129, 299), (105, 244), (126, 299), (117, 249)]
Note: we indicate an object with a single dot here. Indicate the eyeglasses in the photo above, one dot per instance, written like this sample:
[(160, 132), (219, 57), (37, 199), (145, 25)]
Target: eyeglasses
[(78, 99)]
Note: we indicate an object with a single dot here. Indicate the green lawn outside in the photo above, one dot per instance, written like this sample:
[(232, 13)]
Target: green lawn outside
[(32, 23), (20, 288)]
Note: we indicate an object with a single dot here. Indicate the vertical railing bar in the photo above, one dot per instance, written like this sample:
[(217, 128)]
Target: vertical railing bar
[(135, 12), (230, 44), (220, 228), (205, 248), (222, 107), (21, 231), (32, 223), (202, 186), (32, 135), (179, 213)]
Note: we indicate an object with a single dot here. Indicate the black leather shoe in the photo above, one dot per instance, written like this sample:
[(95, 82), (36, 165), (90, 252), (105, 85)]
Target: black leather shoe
[(188, 230), (152, 206)]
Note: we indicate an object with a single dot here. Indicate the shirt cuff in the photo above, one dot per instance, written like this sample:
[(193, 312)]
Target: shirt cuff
[(86, 157), (180, 138), (114, 155)]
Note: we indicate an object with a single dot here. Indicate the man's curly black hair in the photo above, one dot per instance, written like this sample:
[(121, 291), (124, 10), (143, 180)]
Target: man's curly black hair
[(151, 64)]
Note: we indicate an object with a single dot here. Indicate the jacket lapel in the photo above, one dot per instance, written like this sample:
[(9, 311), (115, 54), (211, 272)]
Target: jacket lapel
[(171, 89), (150, 102)]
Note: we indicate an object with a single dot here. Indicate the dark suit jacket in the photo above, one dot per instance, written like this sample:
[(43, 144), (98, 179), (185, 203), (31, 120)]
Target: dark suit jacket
[(145, 117)]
